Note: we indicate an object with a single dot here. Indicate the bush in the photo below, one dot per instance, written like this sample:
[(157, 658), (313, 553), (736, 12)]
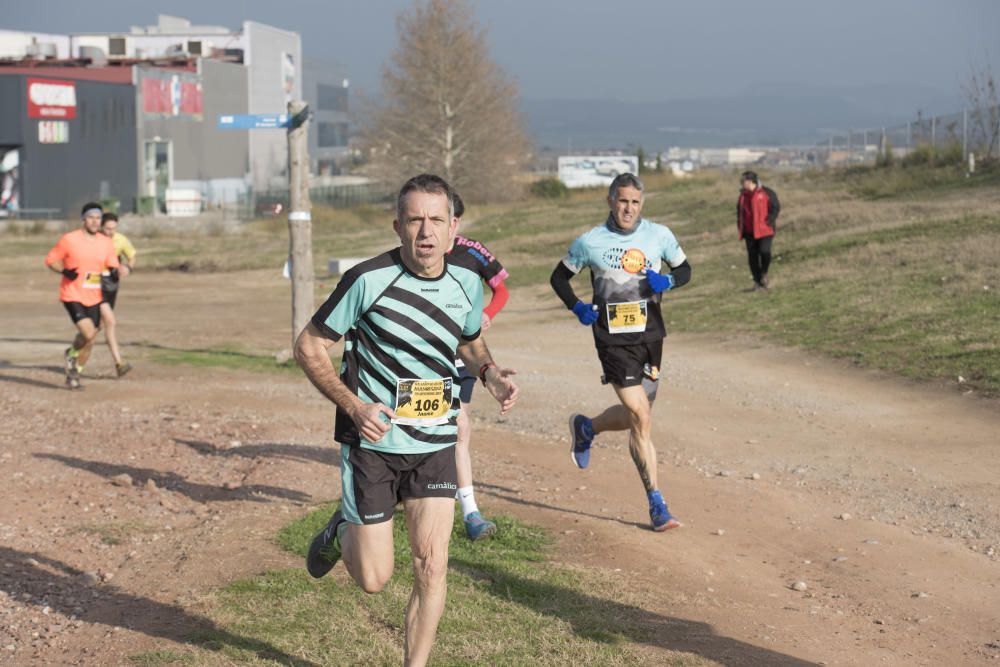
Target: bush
[(549, 188)]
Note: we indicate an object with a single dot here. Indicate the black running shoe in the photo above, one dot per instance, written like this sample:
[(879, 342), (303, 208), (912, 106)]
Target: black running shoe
[(324, 552)]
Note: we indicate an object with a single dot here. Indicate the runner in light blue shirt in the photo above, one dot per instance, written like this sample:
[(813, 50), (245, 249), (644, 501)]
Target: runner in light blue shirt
[(632, 262)]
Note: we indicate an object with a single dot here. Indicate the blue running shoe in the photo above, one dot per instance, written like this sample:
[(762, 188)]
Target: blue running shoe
[(324, 551), (579, 428), (476, 527), (659, 515)]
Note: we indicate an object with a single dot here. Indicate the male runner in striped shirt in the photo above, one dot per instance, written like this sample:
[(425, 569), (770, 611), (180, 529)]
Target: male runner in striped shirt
[(404, 315)]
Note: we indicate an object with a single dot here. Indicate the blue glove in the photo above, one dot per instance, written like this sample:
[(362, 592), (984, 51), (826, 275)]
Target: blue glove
[(585, 312), (659, 282)]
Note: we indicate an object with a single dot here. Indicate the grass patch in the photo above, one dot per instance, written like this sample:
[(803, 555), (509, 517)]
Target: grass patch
[(162, 657), (507, 604), (225, 357), (115, 532)]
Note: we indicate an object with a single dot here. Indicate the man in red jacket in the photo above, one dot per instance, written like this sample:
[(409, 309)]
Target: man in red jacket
[(756, 216)]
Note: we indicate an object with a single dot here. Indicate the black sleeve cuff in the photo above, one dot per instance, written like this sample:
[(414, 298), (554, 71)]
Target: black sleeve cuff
[(325, 330), (469, 339)]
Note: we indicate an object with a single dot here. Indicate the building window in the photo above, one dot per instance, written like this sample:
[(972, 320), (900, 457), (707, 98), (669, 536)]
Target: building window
[(332, 98), (116, 46), (332, 134)]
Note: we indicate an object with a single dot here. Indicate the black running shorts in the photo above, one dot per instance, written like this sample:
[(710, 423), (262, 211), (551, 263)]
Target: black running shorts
[(628, 365), (77, 311), (374, 482)]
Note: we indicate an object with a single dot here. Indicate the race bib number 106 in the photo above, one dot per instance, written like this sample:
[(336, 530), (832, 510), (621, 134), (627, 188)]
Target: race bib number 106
[(422, 402)]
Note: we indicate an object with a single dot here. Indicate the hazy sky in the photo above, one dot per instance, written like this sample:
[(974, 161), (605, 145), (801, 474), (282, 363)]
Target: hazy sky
[(640, 50)]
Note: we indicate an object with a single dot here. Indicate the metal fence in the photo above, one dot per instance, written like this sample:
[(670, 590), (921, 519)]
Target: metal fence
[(952, 136), (274, 201)]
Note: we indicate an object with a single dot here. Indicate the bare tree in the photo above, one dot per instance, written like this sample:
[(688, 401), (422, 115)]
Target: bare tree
[(983, 97), (446, 107)]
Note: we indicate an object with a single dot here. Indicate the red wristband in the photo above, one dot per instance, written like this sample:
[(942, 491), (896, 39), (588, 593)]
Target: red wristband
[(483, 369)]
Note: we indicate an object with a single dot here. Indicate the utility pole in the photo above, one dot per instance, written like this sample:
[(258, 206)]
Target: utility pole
[(300, 256)]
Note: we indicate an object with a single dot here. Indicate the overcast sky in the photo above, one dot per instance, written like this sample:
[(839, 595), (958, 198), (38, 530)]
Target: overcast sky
[(640, 50)]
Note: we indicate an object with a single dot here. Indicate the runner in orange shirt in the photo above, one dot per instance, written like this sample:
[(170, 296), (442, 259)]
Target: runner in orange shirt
[(81, 256)]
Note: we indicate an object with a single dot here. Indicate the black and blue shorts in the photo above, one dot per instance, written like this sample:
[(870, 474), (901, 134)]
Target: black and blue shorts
[(374, 482)]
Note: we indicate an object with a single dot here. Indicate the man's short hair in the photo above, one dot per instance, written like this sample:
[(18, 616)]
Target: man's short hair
[(109, 216), (625, 180), (459, 205), (750, 176), (89, 205), (429, 183)]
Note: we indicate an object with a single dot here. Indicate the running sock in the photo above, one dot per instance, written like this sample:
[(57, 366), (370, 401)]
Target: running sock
[(654, 496), (587, 428), (73, 352), (467, 497)]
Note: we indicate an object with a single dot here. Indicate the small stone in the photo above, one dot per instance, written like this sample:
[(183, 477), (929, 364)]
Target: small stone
[(91, 578), (723, 473), (755, 476), (230, 486), (920, 594), (799, 586), (840, 559), (844, 516), (233, 444), (107, 576), (719, 531), (124, 479), (151, 484), (879, 621), (195, 426), (871, 542), (961, 380), (752, 442)]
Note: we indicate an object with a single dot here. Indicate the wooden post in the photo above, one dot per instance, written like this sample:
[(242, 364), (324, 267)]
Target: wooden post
[(300, 257)]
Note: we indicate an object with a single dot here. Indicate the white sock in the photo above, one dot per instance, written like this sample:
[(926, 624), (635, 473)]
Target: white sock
[(467, 497)]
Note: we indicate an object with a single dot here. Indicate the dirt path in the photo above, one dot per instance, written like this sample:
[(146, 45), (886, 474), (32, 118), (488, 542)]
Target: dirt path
[(124, 506)]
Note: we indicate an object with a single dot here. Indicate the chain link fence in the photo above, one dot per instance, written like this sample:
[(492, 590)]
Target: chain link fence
[(952, 138)]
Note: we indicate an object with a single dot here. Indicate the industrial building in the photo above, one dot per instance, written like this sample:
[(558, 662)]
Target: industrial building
[(131, 116)]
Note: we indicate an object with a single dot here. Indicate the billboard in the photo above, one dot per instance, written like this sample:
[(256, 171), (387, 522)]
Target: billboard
[(51, 99), (594, 171), (173, 96)]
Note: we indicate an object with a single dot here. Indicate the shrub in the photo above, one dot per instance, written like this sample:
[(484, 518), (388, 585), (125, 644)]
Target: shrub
[(549, 188)]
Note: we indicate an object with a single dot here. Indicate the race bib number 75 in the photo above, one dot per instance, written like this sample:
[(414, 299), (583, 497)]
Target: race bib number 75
[(628, 317)]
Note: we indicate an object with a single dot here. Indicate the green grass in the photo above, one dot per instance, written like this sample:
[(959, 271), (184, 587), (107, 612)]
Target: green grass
[(507, 604), (869, 266), (162, 657), (224, 357)]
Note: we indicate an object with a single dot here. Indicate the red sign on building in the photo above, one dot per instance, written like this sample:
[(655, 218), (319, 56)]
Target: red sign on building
[(51, 99), (171, 97)]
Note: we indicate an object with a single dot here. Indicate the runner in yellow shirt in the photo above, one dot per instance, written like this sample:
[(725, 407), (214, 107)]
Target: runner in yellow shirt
[(109, 287)]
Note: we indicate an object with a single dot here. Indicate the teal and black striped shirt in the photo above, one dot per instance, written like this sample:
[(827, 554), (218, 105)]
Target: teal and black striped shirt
[(399, 326)]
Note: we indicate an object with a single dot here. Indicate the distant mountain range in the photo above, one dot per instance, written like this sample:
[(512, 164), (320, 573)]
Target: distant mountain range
[(764, 114)]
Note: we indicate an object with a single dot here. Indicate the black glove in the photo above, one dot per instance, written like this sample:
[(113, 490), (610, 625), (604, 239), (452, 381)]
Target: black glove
[(70, 273), (113, 273)]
